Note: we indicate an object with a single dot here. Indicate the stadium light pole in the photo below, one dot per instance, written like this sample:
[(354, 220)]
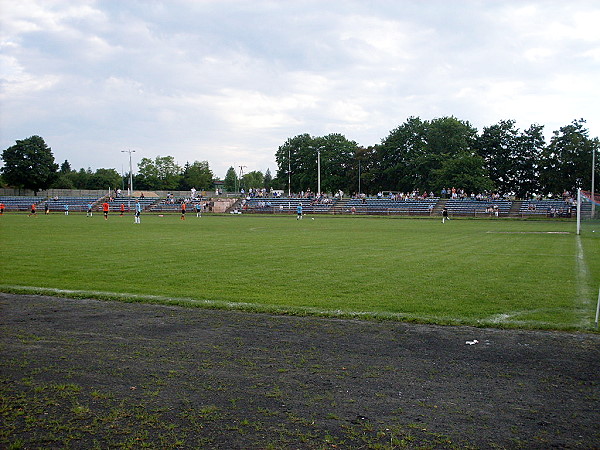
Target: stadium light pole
[(319, 170), (289, 173), (130, 189), (593, 179), (359, 177)]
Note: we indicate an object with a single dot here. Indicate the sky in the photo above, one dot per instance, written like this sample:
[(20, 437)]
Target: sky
[(229, 81)]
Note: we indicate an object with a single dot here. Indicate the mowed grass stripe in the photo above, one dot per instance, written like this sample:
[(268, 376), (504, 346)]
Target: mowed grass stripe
[(480, 272)]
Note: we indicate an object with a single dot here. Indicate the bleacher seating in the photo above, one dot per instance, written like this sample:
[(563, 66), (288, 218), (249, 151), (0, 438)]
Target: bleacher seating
[(129, 203), (286, 205), (548, 208), (468, 207), (76, 204), (391, 206), (16, 203)]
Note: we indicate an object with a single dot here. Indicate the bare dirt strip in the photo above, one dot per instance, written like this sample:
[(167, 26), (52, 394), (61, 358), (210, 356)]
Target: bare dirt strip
[(95, 374)]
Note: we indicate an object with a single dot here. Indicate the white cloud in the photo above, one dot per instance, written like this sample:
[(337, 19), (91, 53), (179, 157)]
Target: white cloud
[(230, 81)]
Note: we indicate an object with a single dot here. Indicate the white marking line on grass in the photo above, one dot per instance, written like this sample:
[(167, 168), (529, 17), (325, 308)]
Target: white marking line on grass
[(584, 295), (528, 232), (236, 306)]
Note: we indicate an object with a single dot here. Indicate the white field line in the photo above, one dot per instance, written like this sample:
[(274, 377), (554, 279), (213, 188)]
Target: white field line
[(510, 318), (583, 293), (528, 232)]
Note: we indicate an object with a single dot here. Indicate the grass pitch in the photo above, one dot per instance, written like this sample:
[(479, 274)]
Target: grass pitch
[(504, 273)]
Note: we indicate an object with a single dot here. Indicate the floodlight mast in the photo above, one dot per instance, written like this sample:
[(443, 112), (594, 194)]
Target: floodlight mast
[(593, 179), (319, 171), (130, 187)]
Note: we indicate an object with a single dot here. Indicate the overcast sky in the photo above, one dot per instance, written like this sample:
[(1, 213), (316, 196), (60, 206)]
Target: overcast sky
[(228, 82)]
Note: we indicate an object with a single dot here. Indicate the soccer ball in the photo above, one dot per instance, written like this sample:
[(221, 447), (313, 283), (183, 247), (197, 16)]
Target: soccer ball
[(313, 218)]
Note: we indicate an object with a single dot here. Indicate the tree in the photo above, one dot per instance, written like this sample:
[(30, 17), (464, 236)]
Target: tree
[(404, 144), (253, 180), (29, 164), (413, 153), (161, 174), (230, 181), (268, 180), (465, 171), (300, 155), (367, 167), (512, 157), (497, 145), (197, 175), (292, 162), (567, 160), (530, 147), (65, 167), (104, 179), (338, 164)]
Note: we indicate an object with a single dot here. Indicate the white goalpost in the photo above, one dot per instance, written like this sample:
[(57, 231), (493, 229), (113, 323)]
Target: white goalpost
[(588, 208), (588, 221)]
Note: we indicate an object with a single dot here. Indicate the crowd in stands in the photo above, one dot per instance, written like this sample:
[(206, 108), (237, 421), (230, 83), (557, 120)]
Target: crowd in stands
[(461, 194)]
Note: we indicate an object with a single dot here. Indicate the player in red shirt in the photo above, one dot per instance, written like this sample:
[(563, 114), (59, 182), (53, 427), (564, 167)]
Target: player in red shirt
[(105, 208)]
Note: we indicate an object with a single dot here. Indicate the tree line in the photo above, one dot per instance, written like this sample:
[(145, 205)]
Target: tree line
[(29, 164), (426, 155), (446, 152)]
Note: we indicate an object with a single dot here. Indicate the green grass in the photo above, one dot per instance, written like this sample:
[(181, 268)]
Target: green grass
[(506, 273)]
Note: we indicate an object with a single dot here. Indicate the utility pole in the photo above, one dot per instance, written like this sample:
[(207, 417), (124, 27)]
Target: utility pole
[(130, 188), (241, 175), (593, 187), (319, 171)]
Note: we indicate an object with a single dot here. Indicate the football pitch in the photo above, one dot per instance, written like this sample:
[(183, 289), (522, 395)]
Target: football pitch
[(503, 273)]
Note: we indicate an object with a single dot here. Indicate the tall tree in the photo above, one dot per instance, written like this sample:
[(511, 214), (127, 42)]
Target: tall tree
[(29, 164), (197, 175), (268, 180), (104, 179), (162, 174), (497, 145), (397, 153), (253, 180), (336, 154), (295, 156), (530, 147), (465, 171), (567, 160), (366, 170), (413, 152), (230, 181), (65, 167), (337, 163)]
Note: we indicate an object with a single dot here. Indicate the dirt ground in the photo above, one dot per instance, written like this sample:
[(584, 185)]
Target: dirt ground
[(95, 374)]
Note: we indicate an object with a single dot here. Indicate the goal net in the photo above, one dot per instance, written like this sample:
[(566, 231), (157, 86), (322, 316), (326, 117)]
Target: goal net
[(588, 213)]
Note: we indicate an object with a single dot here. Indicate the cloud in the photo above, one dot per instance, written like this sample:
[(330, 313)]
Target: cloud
[(230, 81)]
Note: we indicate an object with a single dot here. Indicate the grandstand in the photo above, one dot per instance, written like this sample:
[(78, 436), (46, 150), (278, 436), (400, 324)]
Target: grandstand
[(469, 207), (115, 204), (75, 203), (17, 203), (379, 206), (547, 208), (287, 205)]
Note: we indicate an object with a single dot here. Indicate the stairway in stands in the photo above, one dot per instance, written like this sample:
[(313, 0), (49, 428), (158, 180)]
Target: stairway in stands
[(437, 209), (515, 208), (341, 206)]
